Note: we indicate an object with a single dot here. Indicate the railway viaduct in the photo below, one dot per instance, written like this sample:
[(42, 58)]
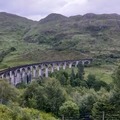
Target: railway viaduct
[(25, 73)]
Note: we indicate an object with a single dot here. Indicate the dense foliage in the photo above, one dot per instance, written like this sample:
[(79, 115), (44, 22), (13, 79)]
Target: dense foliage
[(17, 113), (65, 95)]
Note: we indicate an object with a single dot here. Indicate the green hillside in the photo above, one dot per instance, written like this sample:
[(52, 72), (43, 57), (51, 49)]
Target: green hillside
[(58, 37)]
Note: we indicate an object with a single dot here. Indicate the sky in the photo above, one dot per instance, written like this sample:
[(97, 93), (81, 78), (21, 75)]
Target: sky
[(38, 9)]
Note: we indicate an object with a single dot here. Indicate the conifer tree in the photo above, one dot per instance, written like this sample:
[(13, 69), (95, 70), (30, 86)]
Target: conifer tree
[(80, 73), (72, 77)]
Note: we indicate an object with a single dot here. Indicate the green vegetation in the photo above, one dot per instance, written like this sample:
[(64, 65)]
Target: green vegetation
[(15, 112), (57, 37), (49, 96), (69, 109), (63, 95), (85, 93), (7, 92)]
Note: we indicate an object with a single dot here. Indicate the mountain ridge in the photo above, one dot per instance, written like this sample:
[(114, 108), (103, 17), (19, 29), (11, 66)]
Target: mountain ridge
[(104, 15)]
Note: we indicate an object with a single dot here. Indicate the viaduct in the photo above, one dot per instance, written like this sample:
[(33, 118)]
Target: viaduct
[(25, 73)]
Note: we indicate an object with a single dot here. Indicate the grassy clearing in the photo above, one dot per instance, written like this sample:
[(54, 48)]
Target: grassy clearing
[(103, 72)]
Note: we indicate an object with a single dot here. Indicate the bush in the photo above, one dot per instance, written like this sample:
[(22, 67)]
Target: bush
[(21, 85), (12, 49), (69, 109), (7, 92), (96, 84), (18, 113)]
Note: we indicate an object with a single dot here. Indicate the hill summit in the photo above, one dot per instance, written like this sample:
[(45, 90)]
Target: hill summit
[(53, 17)]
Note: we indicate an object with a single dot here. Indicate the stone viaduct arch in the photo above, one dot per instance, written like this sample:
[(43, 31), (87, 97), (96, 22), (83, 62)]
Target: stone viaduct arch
[(25, 73)]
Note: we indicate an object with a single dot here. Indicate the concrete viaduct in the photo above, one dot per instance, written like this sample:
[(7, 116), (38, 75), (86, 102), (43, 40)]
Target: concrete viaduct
[(25, 73)]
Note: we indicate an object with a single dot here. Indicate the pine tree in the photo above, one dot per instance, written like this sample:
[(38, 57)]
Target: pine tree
[(63, 80), (72, 77), (80, 73)]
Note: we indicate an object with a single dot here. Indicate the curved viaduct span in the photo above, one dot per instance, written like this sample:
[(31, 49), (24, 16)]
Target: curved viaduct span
[(25, 73)]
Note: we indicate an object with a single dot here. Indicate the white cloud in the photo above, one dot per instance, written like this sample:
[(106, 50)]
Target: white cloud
[(37, 9), (73, 7), (90, 6)]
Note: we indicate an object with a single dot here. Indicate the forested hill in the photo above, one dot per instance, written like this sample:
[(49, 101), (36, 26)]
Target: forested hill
[(81, 35)]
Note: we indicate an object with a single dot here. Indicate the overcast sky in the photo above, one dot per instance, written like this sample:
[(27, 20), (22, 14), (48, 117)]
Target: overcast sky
[(37, 9)]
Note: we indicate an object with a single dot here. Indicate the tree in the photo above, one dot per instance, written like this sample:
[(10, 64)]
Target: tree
[(47, 96), (108, 103), (17, 113), (7, 92), (76, 82), (86, 105), (91, 80), (80, 73), (29, 96), (55, 95), (115, 95), (96, 84), (62, 76), (116, 78), (72, 76), (13, 49), (114, 100), (103, 105), (5, 113), (63, 80), (65, 74), (69, 109)]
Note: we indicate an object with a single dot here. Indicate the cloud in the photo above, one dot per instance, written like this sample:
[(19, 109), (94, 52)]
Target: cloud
[(31, 7), (74, 7), (37, 9), (91, 6)]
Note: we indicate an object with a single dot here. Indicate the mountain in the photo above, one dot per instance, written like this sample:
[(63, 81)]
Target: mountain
[(87, 32), (53, 17), (14, 25), (59, 37)]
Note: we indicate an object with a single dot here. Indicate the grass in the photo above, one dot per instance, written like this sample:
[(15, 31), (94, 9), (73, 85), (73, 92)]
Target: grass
[(103, 72), (31, 53), (18, 57)]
